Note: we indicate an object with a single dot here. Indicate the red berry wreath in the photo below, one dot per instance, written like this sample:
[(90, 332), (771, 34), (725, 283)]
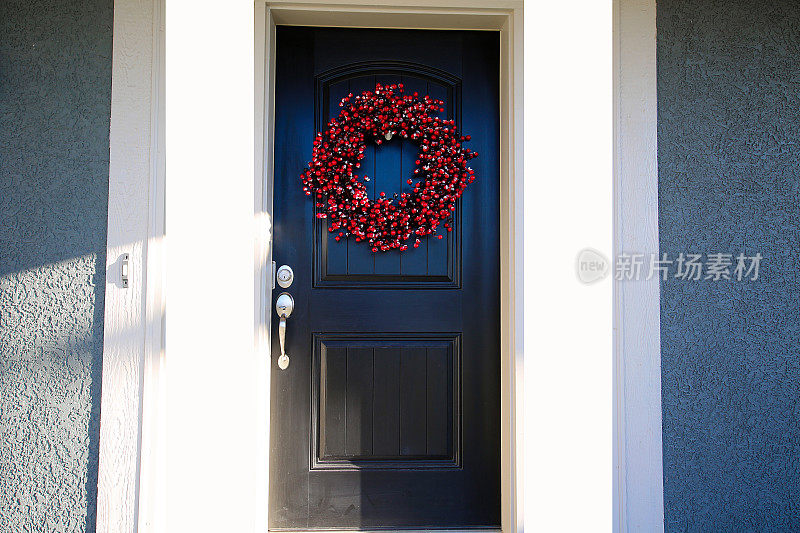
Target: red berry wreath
[(442, 173)]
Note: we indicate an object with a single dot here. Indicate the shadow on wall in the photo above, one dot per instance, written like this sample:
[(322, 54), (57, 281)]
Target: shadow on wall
[(55, 99), (51, 351)]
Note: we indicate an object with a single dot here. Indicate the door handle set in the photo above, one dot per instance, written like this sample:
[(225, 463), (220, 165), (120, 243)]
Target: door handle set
[(284, 306)]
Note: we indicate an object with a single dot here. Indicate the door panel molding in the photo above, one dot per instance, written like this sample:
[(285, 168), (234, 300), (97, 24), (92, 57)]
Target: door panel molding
[(387, 67), (395, 347), (431, 273)]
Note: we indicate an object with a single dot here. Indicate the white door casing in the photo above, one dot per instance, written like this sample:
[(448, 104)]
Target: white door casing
[(505, 17), (638, 456), (216, 431), (134, 427)]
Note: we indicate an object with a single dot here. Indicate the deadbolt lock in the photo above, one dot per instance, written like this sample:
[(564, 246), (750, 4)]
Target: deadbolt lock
[(285, 276)]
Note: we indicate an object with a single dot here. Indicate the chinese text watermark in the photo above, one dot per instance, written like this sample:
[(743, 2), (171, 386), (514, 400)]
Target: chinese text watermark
[(593, 266)]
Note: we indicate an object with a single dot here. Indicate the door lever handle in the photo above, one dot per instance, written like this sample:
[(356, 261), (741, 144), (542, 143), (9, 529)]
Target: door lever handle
[(284, 306)]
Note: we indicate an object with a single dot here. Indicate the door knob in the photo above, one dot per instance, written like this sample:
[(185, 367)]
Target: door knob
[(284, 306)]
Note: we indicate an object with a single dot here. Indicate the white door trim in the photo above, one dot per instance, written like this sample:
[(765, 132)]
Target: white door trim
[(131, 481), (132, 425), (133, 322), (504, 16), (638, 478)]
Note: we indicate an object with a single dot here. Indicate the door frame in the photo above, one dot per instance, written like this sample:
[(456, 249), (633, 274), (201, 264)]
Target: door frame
[(132, 448), (506, 17), (638, 483), (131, 480)]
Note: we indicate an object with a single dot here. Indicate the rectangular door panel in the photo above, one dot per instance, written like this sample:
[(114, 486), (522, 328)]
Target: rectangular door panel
[(384, 401), (436, 263)]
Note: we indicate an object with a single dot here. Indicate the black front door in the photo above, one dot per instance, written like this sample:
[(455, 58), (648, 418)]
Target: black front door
[(388, 415)]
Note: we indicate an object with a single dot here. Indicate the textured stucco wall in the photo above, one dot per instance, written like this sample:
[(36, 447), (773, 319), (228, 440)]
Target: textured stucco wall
[(729, 181), (55, 94)]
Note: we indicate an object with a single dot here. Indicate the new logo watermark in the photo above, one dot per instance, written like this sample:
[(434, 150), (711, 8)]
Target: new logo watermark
[(592, 266)]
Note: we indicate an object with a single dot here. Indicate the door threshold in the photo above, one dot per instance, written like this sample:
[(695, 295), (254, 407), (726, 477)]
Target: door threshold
[(379, 530)]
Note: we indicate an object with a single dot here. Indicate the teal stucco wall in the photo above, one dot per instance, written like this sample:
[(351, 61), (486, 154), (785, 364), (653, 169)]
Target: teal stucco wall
[(55, 101), (729, 182)]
